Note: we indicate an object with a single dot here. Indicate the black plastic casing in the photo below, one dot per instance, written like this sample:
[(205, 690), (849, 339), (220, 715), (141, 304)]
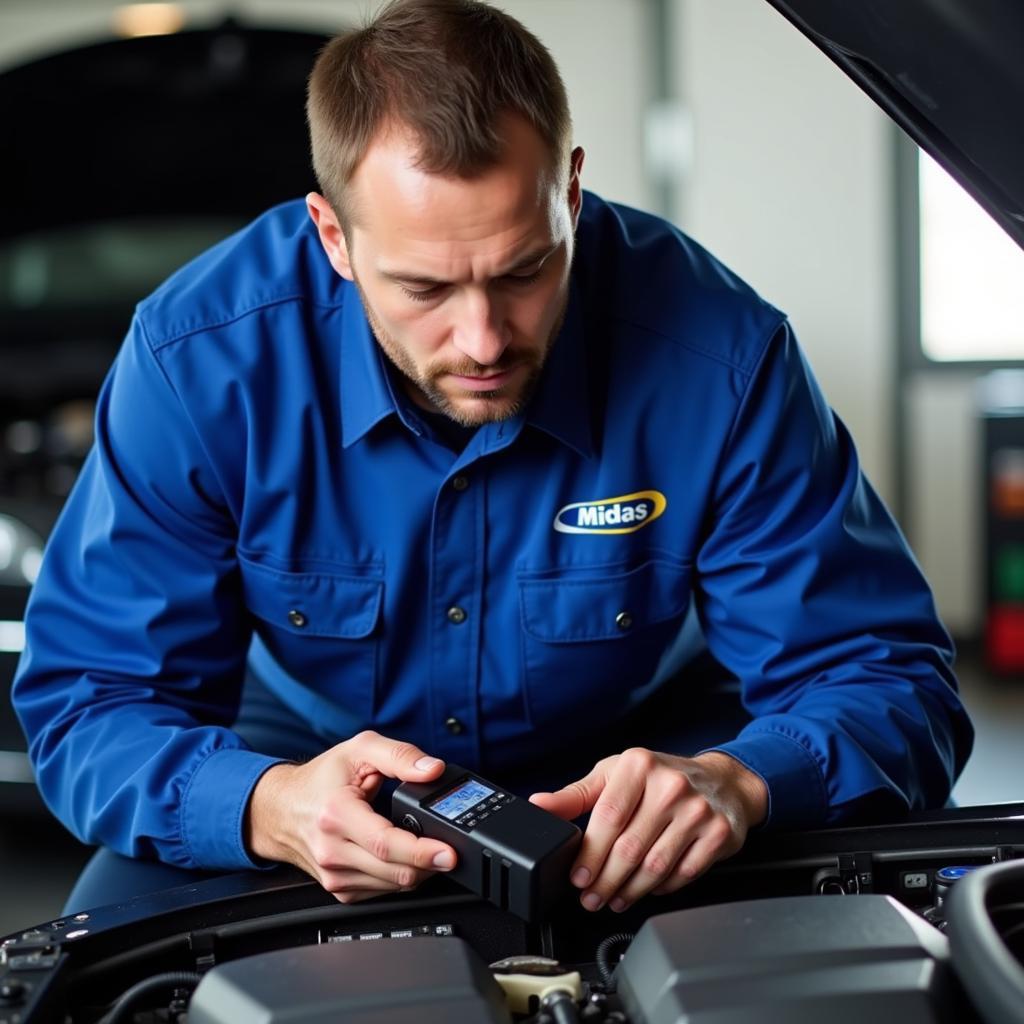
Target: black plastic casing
[(398, 981), (791, 960), (518, 857)]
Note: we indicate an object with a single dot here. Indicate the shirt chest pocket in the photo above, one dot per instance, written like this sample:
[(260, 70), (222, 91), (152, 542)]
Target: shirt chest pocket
[(322, 629), (591, 638)]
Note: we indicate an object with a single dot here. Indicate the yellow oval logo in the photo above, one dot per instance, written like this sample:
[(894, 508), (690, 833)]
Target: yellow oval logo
[(625, 514)]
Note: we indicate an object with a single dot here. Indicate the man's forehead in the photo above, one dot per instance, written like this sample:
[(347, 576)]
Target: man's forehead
[(395, 199)]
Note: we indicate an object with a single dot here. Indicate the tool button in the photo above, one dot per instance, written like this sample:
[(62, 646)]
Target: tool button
[(456, 615), (460, 483), (624, 620), (453, 725), (297, 619), (410, 824)]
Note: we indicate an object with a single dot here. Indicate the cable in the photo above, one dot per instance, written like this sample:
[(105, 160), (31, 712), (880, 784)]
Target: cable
[(602, 958), (171, 979)]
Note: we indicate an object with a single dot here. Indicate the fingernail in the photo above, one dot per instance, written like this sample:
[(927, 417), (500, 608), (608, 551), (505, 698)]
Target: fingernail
[(618, 904), (424, 764), (443, 860), (592, 901), (580, 877)]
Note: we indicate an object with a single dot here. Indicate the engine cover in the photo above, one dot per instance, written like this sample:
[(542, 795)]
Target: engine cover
[(400, 981), (840, 959)]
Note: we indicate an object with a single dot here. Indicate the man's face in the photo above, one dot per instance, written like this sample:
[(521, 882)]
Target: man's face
[(464, 281)]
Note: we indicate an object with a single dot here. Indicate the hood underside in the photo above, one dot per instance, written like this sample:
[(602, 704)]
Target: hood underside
[(950, 73)]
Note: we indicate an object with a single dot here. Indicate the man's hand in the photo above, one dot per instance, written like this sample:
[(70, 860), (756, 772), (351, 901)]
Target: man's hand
[(657, 822), (318, 817)]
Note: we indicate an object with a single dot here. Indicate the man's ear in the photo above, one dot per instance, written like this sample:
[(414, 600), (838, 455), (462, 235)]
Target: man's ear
[(575, 189), (332, 238)]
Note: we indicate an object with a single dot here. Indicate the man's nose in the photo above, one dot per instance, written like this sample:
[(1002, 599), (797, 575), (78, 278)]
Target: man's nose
[(480, 333)]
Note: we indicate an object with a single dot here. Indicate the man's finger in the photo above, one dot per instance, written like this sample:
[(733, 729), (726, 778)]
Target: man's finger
[(657, 869), (353, 858), (370, 752), (392, 845), (352, 880), (711, 846), (575, 799), (612, 811)]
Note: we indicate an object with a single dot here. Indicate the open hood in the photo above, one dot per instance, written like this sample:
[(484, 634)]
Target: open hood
[(159, 126), (950, 73)]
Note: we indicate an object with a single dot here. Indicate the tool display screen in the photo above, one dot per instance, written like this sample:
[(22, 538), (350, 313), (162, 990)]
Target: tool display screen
[(459, 800)]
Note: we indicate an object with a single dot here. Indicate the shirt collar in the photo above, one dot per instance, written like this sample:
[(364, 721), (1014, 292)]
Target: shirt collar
[(560, 406), (366, 395)]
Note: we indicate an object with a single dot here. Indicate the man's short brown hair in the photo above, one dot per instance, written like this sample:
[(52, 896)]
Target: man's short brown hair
[(446, 70)]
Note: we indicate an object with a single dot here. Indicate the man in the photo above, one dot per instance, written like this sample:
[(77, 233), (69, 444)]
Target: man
[(433, 468)]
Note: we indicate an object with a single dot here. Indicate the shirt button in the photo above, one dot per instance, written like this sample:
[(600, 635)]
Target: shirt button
[(456, 615), (460, 483), (624, 621), (453, 725), (297, 619)]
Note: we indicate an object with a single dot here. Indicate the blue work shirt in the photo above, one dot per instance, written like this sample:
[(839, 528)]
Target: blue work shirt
[(261, 488)]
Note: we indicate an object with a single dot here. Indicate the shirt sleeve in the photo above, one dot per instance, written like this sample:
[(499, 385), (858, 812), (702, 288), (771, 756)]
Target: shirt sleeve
[(809, 594), (136, 637)]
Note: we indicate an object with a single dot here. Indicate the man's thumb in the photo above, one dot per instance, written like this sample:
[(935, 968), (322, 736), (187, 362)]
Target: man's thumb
[(393, 758)]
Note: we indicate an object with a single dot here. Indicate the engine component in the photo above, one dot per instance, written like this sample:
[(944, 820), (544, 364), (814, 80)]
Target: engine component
[(792, 959), (528, 980), (357, 982)]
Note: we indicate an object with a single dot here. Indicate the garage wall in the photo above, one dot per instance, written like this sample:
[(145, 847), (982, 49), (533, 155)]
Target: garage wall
[(793, 185), (790, 186)]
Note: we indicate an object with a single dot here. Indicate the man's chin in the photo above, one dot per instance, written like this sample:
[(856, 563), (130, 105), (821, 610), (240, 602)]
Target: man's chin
[(474, 409)]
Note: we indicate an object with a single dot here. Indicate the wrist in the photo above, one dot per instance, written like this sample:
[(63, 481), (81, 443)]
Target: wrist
[(265, 828), (749, 786)]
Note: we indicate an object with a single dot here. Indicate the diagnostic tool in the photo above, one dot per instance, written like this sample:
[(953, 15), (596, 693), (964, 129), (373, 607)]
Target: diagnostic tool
[(511, 852)]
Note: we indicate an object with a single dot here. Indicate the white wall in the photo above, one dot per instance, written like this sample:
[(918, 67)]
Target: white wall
[(945, 492), (790, 186)]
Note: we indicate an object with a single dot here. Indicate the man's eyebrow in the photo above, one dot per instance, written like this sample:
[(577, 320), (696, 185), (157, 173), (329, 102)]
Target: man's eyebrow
[(531, 259)]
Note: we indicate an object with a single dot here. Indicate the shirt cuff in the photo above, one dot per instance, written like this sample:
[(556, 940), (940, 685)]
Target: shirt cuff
[(213, 809), (797, 795)]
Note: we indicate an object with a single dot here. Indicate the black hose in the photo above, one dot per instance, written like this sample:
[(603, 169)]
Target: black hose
[(602, 955), (171, 979), (562, 1007)]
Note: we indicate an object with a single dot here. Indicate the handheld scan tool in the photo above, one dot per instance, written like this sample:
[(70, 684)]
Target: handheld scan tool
[(510, 851)]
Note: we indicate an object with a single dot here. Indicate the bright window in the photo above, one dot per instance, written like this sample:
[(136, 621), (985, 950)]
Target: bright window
[(972, 276)]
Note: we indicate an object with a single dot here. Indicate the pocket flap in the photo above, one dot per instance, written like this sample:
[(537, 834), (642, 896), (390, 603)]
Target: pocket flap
[(313, 603), (576, 609)]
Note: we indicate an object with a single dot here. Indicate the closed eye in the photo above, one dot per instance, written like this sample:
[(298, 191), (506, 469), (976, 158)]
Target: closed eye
[(521, 279), (424, 294)]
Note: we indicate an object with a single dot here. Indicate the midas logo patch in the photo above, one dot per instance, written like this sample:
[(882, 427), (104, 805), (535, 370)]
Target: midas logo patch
[(624, 514)]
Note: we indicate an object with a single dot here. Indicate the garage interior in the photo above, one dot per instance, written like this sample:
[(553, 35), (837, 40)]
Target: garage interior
[(718, 115)]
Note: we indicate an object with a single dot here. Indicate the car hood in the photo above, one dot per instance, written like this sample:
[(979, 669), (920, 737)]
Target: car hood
[(948, 72)]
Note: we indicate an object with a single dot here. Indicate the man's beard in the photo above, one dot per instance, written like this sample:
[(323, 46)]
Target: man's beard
[(497, 404)]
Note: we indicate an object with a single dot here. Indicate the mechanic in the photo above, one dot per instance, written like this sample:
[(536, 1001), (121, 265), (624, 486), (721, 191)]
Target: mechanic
[(432, 467)]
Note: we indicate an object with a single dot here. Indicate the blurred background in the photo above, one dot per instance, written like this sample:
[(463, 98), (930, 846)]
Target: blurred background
[(134, 136)]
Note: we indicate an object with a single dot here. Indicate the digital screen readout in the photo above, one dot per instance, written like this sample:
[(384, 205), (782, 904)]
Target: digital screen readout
[(459, 800)]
